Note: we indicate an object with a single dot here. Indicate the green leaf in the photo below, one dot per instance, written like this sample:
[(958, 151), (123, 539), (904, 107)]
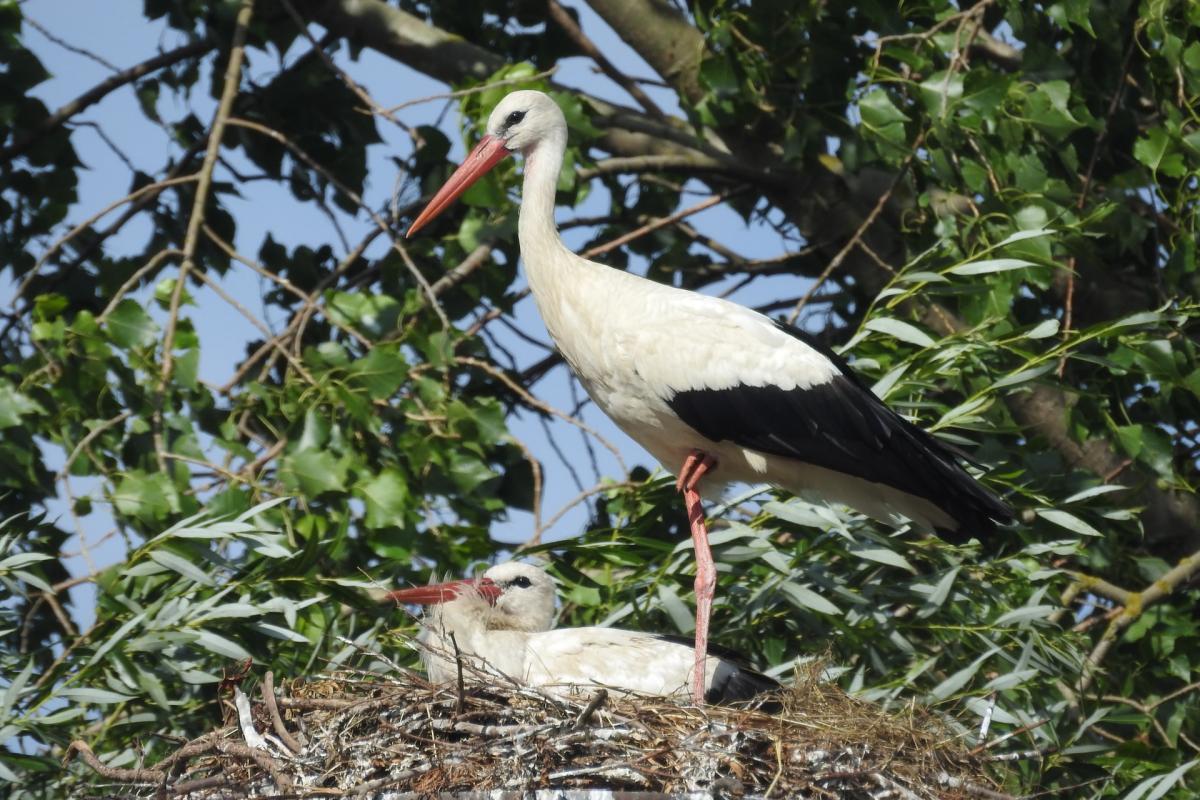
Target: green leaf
[(940, 592), (147, 497), (904, 331), (1157, 786), (13, 692), (130, 326), (804, 597), (14, 405), (958, 680), (1157, 152), (1150, 446), (1024, 376), (1048, 108), (388, 499), (100, 697), (882, 555), (220, 645), (119, 636), (383, 371), (940, 90), (184, 567), (277, 632), (22, 560), (1094, 492), (312, 472), (677, 610), (1024, 614), (879, 114), (962, 410), (1044, 329), (991, 265), (1068, 521)]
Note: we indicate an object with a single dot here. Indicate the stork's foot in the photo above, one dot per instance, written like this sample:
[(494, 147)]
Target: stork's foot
[(694, 468)]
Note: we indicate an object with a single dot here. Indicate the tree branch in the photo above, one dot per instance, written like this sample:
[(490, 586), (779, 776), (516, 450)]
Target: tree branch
[(233, 73), (668, 42), (589, 48), (99, 92)]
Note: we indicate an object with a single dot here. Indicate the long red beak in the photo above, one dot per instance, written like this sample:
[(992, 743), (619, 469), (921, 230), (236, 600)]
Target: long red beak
[(443, 592), (488, 153)]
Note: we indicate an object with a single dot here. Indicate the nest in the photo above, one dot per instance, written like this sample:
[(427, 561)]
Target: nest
[(368, 736)]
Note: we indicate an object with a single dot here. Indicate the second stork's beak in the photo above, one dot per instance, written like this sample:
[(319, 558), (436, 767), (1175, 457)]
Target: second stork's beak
[(488, 153), (445, 592)]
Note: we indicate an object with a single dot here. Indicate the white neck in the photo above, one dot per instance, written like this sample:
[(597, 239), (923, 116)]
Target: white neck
[(544, 253)]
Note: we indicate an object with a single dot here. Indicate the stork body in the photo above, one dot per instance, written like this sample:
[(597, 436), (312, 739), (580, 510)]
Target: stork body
[(503, 624), (715, 391)]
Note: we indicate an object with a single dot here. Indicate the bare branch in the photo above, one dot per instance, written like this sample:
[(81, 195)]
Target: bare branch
[(589, 48), (99, 92)]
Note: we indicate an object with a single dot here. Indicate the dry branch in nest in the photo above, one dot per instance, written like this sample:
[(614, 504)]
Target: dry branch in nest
[(367, 736)]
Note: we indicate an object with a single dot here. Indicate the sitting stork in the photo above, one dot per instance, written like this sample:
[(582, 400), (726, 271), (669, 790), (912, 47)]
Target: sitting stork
[(714, 390), (502, 623)]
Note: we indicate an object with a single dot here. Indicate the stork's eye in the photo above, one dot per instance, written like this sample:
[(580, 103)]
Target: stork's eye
[(509, 121), (521, 582)]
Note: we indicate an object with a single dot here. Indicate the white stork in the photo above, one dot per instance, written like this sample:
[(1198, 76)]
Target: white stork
[(502, 623), (714, 390)]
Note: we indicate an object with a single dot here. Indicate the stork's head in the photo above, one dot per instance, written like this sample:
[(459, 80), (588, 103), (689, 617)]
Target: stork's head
[(521, 597), (526, 601), (523, 119), (521, 122)]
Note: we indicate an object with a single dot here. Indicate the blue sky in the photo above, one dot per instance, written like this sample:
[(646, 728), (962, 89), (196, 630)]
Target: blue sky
[(121, 35)]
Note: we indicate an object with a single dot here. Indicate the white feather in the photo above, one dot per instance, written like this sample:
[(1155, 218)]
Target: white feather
[(512, 639)]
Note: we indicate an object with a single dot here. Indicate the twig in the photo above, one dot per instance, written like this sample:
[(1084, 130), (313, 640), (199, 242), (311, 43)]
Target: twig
[(260, 757), (599, 488), (134, 279), (590, 709), (75, 231), (268, 693), (88, 439), (662, 222), (233, 73), (458, 661), (971, 789), (589, 48), (477, 258), (533, 402), (86, 755), (397, 244), (652, 163), (82, 51), (258, 324), (1137, 603), (485, 87), (535, 468), (99, 92), (926, 35), (841, 254), (1069, 301)]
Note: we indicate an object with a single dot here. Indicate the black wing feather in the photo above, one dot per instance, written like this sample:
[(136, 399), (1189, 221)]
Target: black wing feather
[(842, 426), (734, 681)]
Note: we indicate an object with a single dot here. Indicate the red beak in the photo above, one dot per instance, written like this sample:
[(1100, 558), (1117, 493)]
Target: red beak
[(443, 592), (488, 153)]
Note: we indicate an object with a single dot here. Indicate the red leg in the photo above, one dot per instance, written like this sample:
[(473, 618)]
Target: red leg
[(694, 468)]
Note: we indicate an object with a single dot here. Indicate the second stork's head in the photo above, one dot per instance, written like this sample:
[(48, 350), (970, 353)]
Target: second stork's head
[(512, 596), (526, 601), (521, 122)]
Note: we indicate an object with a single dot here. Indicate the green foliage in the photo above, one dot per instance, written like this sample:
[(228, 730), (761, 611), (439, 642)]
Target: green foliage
[(1026, 290)]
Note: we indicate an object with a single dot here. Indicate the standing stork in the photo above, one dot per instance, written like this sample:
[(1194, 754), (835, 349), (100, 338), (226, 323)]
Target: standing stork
[(504, 622), (716, 391)]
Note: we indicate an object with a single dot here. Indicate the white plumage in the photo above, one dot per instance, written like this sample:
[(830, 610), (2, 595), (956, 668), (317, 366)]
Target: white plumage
[(716, 392), (502, 625)]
